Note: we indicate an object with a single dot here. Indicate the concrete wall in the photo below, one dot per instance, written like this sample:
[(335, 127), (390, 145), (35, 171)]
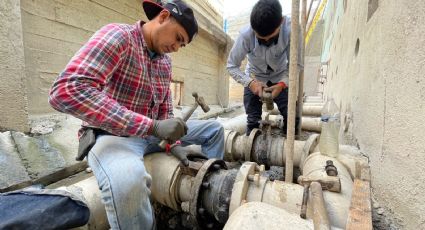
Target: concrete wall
[(13, 103), (235, 24), (55, 29), (376, 69)]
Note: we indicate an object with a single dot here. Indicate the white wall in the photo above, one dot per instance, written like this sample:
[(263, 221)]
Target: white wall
[(383, 88)]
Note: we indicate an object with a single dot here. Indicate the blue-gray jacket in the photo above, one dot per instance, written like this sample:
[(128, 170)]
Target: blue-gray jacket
[(259, 57)]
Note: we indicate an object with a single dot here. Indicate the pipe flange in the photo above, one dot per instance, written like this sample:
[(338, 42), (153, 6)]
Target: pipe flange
[(240, 187), (209, 165), (249, 142), (308, 148), (230, 140)]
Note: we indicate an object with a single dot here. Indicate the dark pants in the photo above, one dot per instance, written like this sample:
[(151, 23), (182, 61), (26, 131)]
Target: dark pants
[(253, 108)]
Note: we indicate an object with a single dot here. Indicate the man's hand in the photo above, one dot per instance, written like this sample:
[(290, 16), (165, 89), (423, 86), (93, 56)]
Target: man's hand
[(256, 88), (276, 89), (182, 153), (170, 129)]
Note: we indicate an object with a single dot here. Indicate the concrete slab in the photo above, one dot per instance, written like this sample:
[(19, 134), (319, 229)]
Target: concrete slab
[(12, 169), (52, 147)]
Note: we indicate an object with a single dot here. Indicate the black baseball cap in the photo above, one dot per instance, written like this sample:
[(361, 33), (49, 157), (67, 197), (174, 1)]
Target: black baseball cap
[(178, 9)]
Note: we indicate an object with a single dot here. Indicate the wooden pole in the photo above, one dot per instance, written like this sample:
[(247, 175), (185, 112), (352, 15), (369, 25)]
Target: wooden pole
[(293, 74)]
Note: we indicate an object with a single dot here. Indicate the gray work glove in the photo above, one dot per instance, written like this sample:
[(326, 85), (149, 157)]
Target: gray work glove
[(182, 153), (170, 129)]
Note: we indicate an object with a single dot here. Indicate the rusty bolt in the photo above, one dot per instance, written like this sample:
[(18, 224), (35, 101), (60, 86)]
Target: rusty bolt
[(330, 168)]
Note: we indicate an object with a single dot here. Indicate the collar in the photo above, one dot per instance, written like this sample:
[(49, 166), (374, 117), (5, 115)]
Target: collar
[(152, 55)]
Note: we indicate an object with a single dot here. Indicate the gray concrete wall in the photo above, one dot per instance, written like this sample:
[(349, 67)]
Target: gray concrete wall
[(55, 29), (13, 103), (381, 84)]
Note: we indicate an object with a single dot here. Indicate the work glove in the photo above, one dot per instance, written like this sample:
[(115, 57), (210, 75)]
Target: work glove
[(170, 129), (182, 153), (256, 87), (276, 89)]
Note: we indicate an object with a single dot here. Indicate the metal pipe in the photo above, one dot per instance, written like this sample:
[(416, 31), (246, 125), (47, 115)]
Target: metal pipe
[(317, 97), (164, 187), (293, 73), (314, 14), (250, 187), (320, 215), (314, 167), (306, 108), (257, 215), (308, 13), (312, 124), (88, 190), (263, 149), (237, 124), (312, 110), (309, 123), (184, 188), (203, 190)]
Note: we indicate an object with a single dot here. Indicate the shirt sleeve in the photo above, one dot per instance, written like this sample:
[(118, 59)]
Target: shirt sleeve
[(166, 108), (236, 56), (78, 89)]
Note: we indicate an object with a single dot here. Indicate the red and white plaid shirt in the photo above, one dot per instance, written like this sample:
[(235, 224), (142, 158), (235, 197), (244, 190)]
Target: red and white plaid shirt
[(112, 83)]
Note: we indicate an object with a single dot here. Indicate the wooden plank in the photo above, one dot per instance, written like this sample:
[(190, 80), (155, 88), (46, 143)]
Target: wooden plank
[(360, 213)]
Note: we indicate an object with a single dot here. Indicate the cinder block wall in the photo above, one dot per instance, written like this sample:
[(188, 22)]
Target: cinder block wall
[(376, 74), (53, 30), (13, 103)]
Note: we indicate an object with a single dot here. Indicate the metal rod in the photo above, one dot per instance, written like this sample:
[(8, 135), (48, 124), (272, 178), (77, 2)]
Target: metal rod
[(320, 215), (314, 14), (293, 73), (303, 213), (308, 13), (301, 77)]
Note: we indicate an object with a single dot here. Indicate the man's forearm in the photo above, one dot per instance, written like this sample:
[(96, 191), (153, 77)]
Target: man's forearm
[(239, 76)]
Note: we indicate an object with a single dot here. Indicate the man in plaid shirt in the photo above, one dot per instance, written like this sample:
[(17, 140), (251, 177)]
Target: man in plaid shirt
[(118, 83)]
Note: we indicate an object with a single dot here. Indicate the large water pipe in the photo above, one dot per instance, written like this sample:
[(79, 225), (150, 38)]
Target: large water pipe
[(210, 193), (265, 149), (238, 123)]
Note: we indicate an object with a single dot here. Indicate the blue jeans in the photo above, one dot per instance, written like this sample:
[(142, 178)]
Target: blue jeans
[(117, 163), (253, 109)]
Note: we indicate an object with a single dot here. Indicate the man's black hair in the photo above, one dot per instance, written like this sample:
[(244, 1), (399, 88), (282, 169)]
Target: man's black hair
[(266, 16)]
